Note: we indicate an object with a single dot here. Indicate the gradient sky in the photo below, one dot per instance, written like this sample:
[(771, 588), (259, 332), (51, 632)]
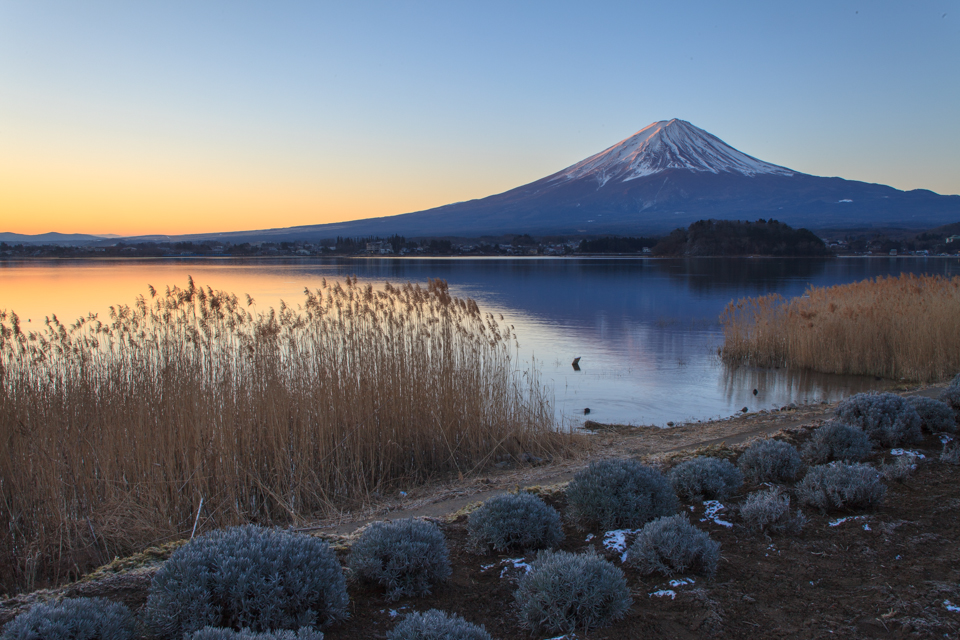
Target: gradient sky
[(185, 117)]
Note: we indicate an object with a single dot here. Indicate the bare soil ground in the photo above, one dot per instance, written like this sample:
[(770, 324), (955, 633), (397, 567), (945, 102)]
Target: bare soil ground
[(890, 573)]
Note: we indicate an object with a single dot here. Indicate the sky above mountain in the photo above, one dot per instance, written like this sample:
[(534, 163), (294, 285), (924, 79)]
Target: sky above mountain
[(183, 117)]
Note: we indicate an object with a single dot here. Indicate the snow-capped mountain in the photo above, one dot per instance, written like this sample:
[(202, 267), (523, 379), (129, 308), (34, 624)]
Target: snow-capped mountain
[(668, 144), (665, 176)]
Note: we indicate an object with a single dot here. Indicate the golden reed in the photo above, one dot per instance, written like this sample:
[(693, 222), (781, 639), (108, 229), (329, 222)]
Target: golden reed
[(187, 408), (895, 327)]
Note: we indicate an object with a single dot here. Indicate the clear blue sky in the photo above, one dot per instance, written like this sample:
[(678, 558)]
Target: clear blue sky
[(176, 117)]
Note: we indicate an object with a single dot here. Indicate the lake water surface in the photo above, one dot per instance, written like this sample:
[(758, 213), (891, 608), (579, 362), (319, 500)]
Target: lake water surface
[(646, 330)]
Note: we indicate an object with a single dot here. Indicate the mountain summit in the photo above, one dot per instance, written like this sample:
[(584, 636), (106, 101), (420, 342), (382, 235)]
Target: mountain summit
[(664, 145)]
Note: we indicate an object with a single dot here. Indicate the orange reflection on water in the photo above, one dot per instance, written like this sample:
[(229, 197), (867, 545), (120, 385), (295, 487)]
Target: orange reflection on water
[(71, 289)]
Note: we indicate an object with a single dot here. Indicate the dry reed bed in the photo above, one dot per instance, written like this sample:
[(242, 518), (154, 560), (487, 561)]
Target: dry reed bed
[(895, 327), (187, 409)]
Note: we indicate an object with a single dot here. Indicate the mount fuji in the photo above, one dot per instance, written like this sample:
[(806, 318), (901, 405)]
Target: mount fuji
[(665, 176)]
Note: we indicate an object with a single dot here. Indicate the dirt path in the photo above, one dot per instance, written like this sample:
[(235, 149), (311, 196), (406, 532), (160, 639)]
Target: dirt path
[(604, 441)]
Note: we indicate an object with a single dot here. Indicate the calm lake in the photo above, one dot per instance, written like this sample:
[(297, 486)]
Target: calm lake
[(646, 330)]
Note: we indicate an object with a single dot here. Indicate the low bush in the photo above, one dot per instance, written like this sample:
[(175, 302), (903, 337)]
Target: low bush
[(407, 556), (619, 493), (436, 625), (837, 441), (900, 469), (885, 417), (247, 577), (951, 397), (671, 545), (770, 461), (221, 633), (935, 416), (705, 478), (73, 619), (564, 592), (514, 521), (768, 511), (951, 452), (841, 486)]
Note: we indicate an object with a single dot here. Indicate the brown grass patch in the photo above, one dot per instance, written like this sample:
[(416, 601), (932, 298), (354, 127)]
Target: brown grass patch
[(905, 327), (188, 411)]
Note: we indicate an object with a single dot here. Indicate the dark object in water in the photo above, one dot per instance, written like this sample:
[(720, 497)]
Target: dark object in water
[(586, 411), (744, 409), (754, 392), (576, 364)]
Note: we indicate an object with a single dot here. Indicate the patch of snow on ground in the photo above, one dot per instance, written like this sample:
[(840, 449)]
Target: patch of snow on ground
[(710, 510), (616, 540), (950, 606), (663, 593), (589, 538), (393, 613), (518, 563), (944, 438), (681, 582), (839, 521), (907, 452), (866, 527)]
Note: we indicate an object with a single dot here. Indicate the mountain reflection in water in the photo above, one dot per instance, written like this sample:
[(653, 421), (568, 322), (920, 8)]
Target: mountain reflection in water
[(646, 330)]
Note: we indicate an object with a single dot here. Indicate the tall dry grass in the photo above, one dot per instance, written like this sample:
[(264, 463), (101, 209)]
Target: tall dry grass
[(895, 327), (186, 409)]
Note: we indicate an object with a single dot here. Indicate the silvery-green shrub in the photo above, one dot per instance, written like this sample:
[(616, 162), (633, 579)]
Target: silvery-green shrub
[(619, 493), (841, 486), (705, 478), (72, 619), (564, 592), (951, 452), (671, 545), (407, 557), (885, 417), (436, 625), (768, 511), (514, 521), (900, 469), (221, 633), (770, 461), (837, 441), (935, 416), (951, 397), (247, 577)]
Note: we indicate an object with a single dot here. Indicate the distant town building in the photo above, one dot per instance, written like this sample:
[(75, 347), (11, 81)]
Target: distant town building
[(379, 247)]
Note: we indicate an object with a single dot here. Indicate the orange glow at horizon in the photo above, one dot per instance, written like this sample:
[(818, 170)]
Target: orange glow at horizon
[(74, 197)]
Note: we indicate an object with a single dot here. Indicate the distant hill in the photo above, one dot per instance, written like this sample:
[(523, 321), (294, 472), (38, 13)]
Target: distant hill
[(73, 239)]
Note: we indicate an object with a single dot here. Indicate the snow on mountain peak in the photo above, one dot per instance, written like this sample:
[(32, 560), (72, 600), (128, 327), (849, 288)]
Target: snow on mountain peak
[(668, 144)]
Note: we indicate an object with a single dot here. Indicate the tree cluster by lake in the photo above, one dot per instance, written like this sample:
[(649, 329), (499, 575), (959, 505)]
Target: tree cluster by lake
[(736, 238)]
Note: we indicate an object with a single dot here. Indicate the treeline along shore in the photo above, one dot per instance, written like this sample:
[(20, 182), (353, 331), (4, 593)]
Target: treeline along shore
[(703, 238)]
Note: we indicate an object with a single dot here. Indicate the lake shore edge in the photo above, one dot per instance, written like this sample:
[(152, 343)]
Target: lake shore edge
[(127, 579)]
